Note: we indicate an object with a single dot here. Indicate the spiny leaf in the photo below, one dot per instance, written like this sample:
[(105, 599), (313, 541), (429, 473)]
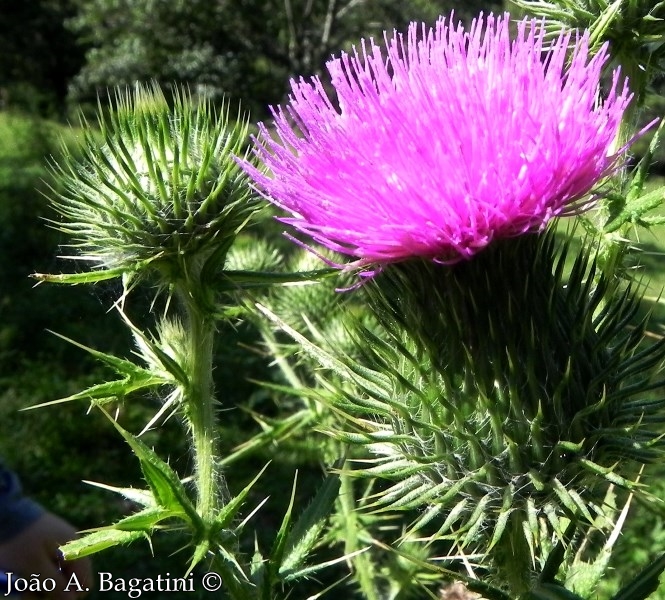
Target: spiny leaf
[(144, 520), (273, 433), (352, 531), (236, 280), (110, 390), (305, 571), (78, 278), (164, 483), (97, 541), (279, 546), (305, 533), (120, 365), (645, 583), (142, 497), (609, 474), (571, 500), (201, 550), (230, 510)]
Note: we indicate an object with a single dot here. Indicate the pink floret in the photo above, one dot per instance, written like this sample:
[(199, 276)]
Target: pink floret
[(446, 141)]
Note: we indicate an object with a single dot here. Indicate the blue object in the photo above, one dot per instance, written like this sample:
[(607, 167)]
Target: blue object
[(4, 585)]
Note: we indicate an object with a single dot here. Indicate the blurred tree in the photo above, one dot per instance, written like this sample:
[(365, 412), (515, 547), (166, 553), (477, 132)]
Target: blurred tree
[(245, 49), (38, 55)]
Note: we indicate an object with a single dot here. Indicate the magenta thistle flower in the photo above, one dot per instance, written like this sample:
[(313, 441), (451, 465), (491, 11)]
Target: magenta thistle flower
[(446, 141)]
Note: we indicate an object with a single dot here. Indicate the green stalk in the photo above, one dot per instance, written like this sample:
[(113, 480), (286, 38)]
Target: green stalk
[(362, 562), (614, 247), (200, 410)]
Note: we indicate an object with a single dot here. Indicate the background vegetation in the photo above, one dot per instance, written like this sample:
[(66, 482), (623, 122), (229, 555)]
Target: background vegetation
[(60, 56)]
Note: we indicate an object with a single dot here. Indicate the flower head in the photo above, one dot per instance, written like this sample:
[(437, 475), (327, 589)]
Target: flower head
[(157, 188), (449, 139)]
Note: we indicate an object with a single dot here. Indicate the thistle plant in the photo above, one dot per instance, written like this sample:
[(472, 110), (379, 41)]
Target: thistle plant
[(157, 199), (506, 398), (486, 390)]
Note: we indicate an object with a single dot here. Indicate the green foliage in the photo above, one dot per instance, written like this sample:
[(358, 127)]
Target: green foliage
[(26, 245), (456, 441), (507, 414), (39, 56), (162, 201), (244, 50)]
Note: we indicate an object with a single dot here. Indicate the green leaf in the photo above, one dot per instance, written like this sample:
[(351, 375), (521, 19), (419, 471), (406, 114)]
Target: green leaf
[(645, 583), (142, 497), (306, 571), (609, 474), (108, 391), (354, 533), (272, 434), (145, 520), (121, 365), (201, 550), (572, 501), (258, 568), (326, 359), (168, 490), (306, 532), (135, 378), (97, 541), (166, 362), (634, 210), (276, 557), (500, 527), (230, 510), (603, 23), (77, 278), (233, 280)]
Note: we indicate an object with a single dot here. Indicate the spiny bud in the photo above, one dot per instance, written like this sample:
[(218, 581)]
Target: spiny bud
[(156, 188)]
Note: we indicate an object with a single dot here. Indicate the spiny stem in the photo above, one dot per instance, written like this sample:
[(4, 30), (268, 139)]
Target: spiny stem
[(200, 407)]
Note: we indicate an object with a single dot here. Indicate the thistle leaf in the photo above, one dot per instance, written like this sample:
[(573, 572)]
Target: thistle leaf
[(231, 508), (166, 487), (145, 520), (305, 533), (142, 497), (97, 541)]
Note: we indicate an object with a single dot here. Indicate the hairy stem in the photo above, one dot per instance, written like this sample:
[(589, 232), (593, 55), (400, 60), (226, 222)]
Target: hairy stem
[(200, 408)]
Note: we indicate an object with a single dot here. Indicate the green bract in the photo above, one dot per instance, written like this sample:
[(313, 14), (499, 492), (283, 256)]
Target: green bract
[(635, 30), (508, 400), (156, 188)]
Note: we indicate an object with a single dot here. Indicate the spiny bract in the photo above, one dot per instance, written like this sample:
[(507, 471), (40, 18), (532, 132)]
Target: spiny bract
[(157, 186)]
